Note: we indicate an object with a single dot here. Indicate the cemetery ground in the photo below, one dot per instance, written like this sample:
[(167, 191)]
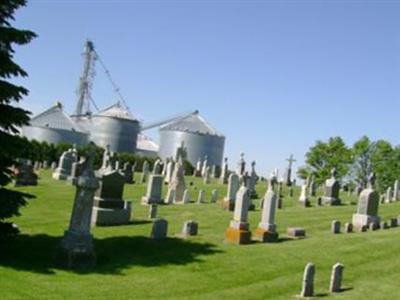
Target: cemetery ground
[(131, 266)]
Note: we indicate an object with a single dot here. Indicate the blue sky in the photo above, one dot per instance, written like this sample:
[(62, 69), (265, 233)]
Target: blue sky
[(273, 76)]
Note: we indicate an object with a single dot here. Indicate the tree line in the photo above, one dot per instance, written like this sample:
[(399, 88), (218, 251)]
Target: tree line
[(353, 163)]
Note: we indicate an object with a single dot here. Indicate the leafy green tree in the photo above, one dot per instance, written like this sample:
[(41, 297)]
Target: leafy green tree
[(323, 156), (362, 152), (11, 117)]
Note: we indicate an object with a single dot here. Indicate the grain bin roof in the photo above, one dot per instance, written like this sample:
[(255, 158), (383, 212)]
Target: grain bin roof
[(193, 123), (55, 118), (117, 111)]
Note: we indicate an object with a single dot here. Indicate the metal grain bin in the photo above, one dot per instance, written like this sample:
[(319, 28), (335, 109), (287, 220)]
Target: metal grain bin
[(114, 126), (199, 137), (54, 126)]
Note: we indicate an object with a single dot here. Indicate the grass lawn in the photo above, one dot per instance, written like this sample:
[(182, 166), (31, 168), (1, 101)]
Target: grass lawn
[(131, 266)]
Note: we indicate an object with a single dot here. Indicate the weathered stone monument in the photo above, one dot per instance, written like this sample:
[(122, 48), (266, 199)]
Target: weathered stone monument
[(76, 169), (206, 175), (336, 278), (367, 209), (396, 191), (224, 172), (303, 196), (154, 190), (266, 231), (190, 228), (65, 164), (253, 178), (128, 171), (153, 211), (241, 167), (76, 248), (308, 281), (177, 182), (197, 171), (145, 171), (170, 171), (158, 167), (287, 180), (238, 231), (109, 208), (24, 174), (233, 186), (204, 166), (169, 199), (335, 227), (201, 197), (332, 189), (159, 230), (214, 196), (388, 195), (186, 197)]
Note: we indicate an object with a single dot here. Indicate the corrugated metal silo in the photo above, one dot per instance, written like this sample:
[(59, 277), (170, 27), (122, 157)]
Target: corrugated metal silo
[(114, 126), (199, 137), (54, 126)]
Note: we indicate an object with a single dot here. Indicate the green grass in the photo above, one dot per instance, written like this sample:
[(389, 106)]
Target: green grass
[(131, 266)]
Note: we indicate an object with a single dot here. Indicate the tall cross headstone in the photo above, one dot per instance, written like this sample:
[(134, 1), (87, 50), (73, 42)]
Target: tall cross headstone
[(288, 172), (76, 248)]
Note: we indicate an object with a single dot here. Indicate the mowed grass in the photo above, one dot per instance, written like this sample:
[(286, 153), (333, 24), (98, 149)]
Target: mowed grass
[(131, 266)]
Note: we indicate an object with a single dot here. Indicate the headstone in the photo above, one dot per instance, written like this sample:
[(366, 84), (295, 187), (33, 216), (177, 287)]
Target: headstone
[(393, 222), (117, 165), (198, 169), (367, 209), (384, 225), (288, 172), (109, 207), (36, 166), (224, 172), (206, 175), (373, 226), (253, 181), (214, 196), (313, 187), (45, 164), (153, 211), (348, 227), (335, 227), (159, 230), (388, 195), (332, 189), (76, 169), (308, 281), (190, 228), (291, 192), (238, 232), (241, 167), (396, 191), (157, 169), (76, 249), (164, 169), (233, 187), (145, 171), (24, 174), (214, 171), (170, 171), (154, 190), (336, 278), (169, 199), (303, 196), (266, 231), (201, 197), (128, 172), (53, 165), (204, 166), (181, 152), (177, 182), (186, 197), (65, 164), (296, 232)]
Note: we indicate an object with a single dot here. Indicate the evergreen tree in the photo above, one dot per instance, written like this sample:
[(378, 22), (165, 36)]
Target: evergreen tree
[(11, 117)]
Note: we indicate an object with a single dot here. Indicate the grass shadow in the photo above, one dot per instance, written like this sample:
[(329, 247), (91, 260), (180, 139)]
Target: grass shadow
[(35, 253)]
